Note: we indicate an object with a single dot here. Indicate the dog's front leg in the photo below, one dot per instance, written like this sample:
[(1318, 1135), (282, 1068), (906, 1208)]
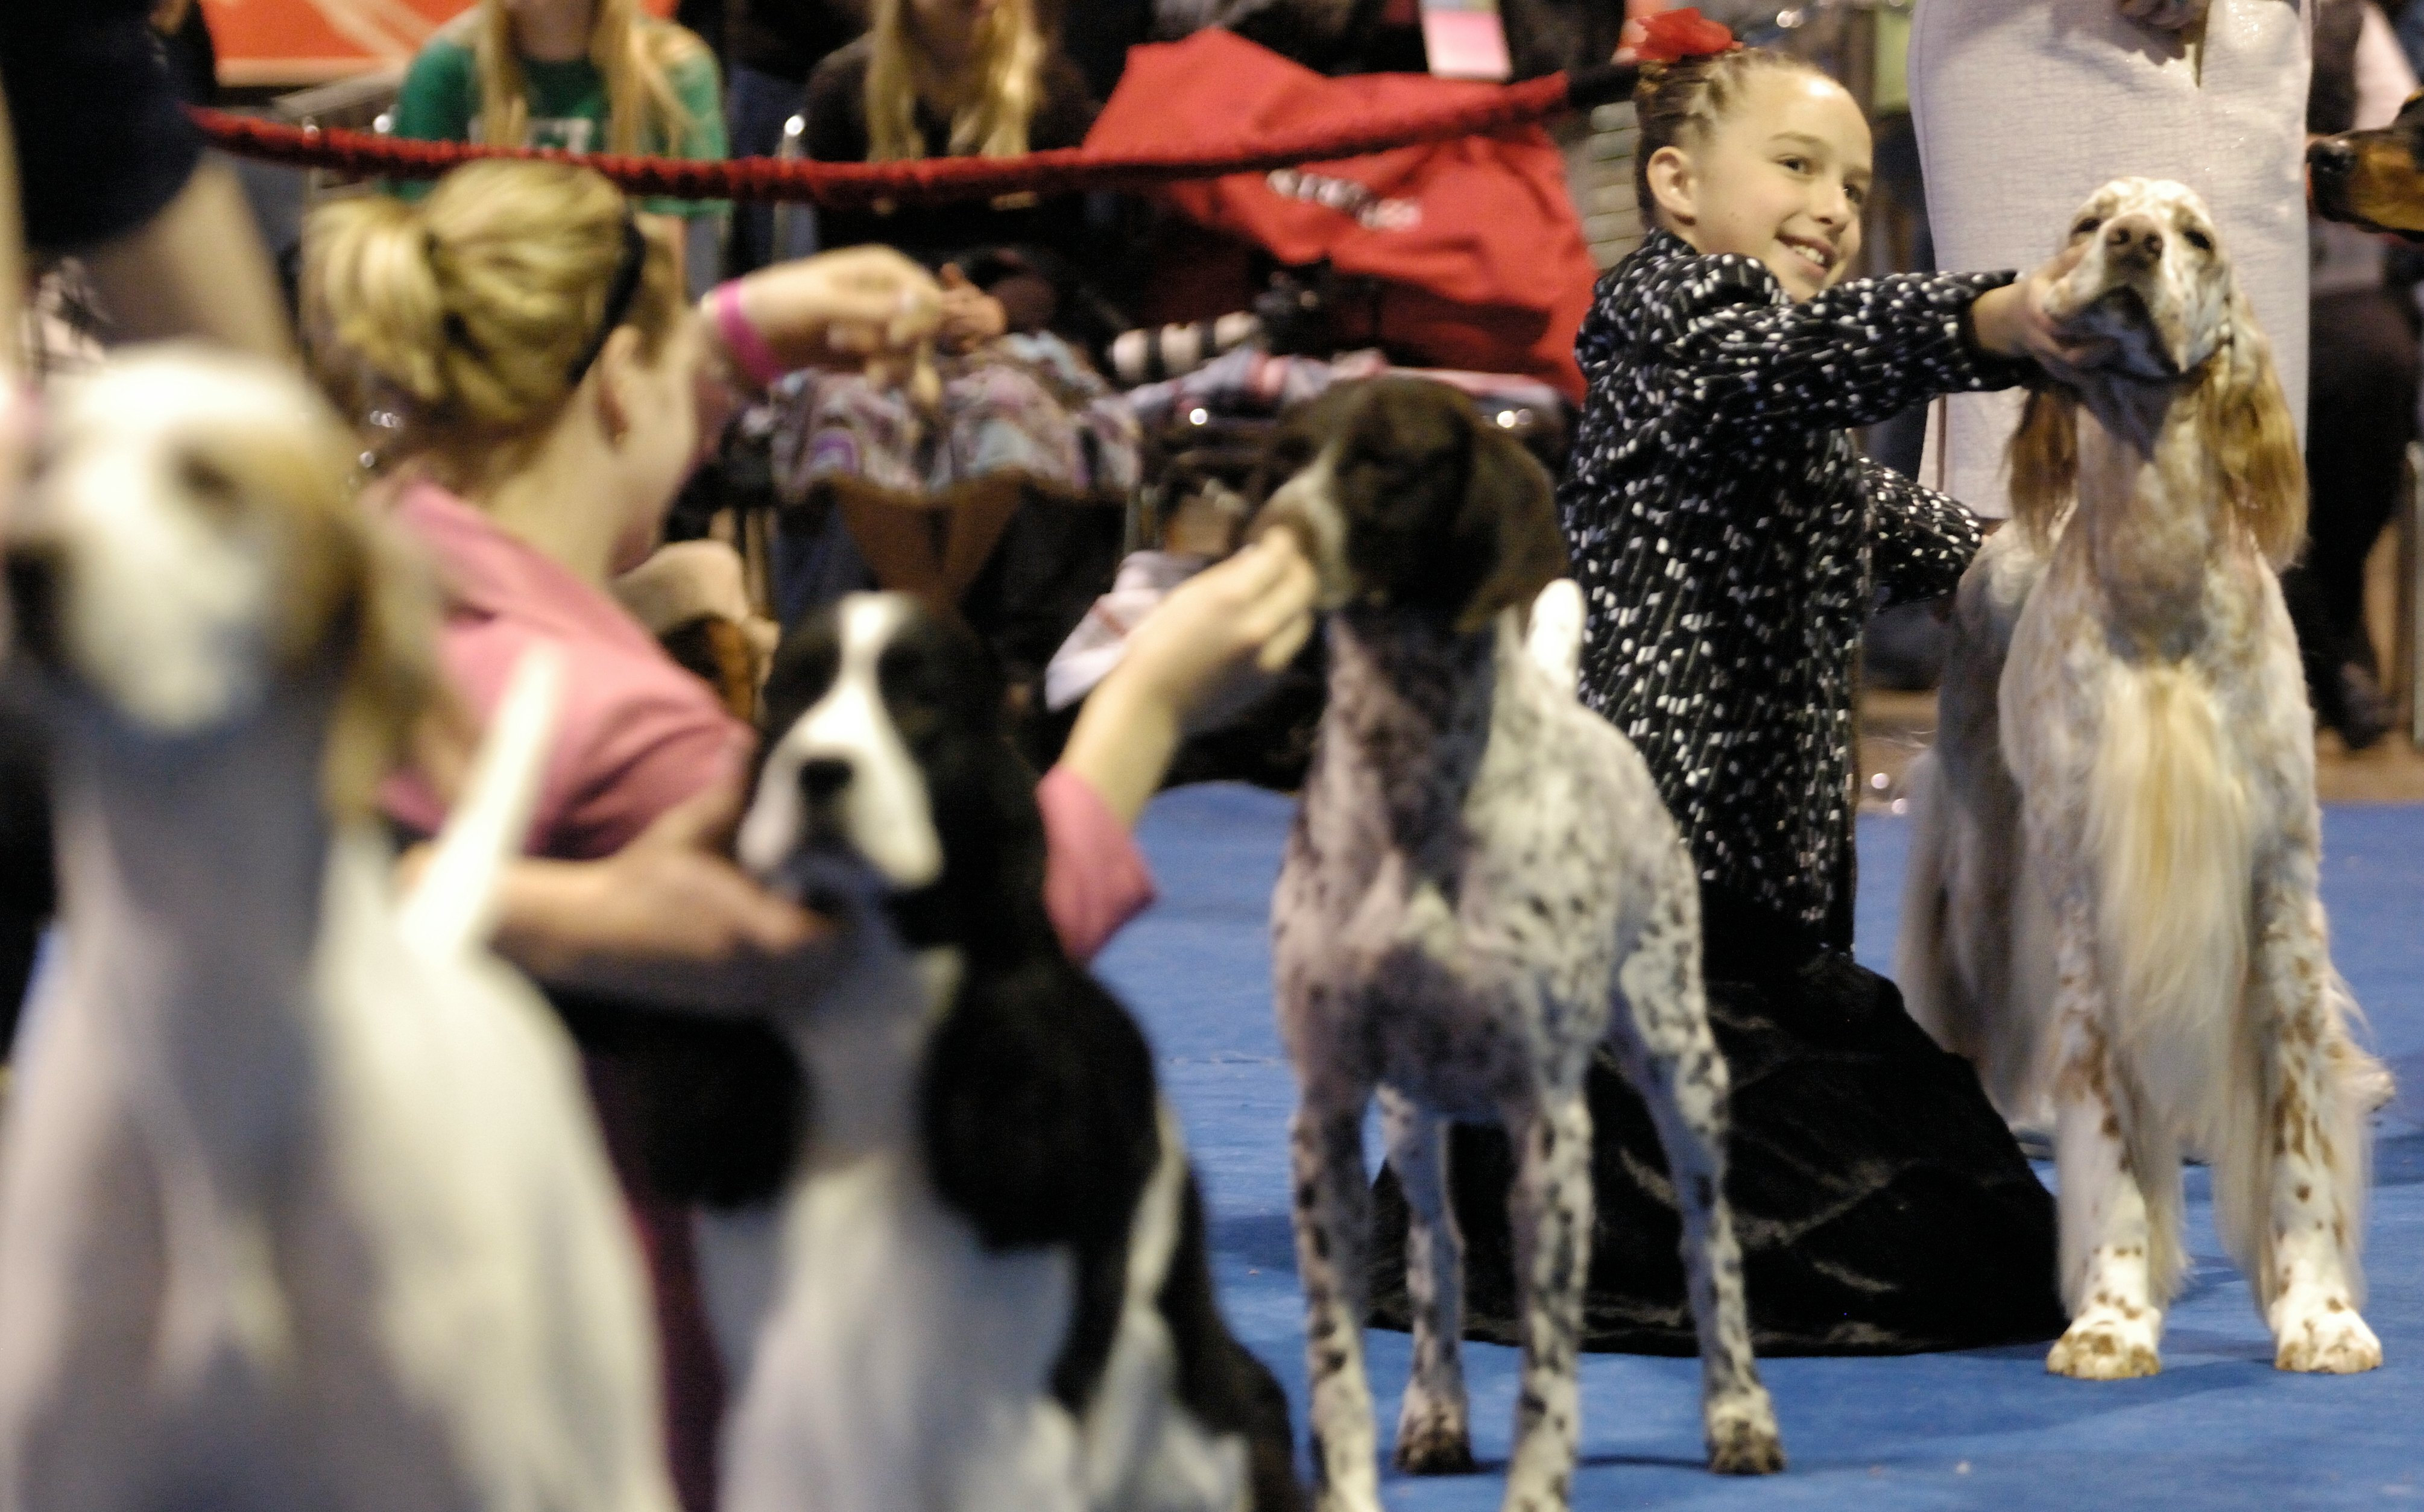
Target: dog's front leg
[(1661, 1027), (2307, 1150), (2107, 1275), (1434, 1437), (1332, 1223), (1550, 1213)]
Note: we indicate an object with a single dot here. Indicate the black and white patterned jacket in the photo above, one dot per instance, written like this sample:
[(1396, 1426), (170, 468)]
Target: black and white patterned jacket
[(1729, 540)]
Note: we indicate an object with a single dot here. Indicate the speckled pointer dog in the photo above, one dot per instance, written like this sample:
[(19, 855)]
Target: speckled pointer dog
[(2155, 955), (1482, 886)]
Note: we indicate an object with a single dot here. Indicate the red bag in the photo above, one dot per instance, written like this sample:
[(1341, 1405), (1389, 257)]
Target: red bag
[(1475, 242)]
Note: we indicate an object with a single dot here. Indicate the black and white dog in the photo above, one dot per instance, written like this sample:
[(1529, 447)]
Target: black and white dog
[(1482, 885), (994, 1291)]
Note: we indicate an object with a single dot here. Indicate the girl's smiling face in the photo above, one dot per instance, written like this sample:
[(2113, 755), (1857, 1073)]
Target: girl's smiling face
[(1781, 177)]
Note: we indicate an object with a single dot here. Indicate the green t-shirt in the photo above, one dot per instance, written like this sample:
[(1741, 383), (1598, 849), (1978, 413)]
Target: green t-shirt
[(439, 101)]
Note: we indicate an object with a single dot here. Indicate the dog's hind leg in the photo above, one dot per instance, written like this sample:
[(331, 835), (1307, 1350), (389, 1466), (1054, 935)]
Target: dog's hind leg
[(2106, 1270), (1673, 1059), (2291, 1181), (1333, 1220), (1433, 1434)]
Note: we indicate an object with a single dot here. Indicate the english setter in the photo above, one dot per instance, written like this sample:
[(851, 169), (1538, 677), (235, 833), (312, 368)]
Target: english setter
[(994, 1290), (2124, 690), (1482, 885), (301, 1201)]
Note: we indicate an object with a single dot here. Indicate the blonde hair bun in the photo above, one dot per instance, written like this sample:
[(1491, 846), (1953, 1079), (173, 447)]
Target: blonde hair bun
[(468, 311)]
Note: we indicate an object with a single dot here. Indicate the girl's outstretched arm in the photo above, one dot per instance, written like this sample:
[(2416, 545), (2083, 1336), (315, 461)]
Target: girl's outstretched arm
[(1856, 355)]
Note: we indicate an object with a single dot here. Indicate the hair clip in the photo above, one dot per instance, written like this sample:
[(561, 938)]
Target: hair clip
[(1673, 36)]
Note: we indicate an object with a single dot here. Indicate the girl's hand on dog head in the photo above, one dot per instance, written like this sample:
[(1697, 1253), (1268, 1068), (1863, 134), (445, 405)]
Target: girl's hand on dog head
[(2013, 321), (1203, 655)]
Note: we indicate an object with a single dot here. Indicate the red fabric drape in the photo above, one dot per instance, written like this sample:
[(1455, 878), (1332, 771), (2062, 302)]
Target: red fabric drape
[(1475, 240)]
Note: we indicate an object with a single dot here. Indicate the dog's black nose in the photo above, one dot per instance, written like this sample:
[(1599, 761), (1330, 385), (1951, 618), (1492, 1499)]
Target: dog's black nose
[(2331, 158), (822, 778)]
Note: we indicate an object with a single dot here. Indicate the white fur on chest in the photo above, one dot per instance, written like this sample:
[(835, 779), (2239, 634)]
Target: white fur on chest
[(905, 1367), (902, 1365)]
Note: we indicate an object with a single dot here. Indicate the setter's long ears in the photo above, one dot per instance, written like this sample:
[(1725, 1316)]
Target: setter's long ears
[(392, 678), (2254, 438), (1508, 521), (376, 614), (2044, 456)]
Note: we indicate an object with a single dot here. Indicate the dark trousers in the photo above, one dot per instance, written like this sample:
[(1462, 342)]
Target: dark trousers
[(2360, 416)]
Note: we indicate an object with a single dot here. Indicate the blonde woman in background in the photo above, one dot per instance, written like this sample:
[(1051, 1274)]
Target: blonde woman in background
[(1025, 426), (583, 75)]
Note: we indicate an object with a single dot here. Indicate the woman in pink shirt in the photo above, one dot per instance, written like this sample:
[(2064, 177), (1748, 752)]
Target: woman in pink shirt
[(553, 393)]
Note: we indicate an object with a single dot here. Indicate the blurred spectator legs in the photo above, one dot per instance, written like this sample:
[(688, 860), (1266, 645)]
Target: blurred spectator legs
[(2359, 420), (758, 104)]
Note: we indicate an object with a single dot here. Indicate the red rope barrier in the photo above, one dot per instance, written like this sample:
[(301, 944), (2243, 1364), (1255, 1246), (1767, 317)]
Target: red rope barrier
[(1068, 170)]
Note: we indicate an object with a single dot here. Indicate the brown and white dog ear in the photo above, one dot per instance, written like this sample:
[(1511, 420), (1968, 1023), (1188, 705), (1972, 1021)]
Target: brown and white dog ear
[(2254, 438), (2044, 459), (1508, 519), (353, 595), (391, 683)]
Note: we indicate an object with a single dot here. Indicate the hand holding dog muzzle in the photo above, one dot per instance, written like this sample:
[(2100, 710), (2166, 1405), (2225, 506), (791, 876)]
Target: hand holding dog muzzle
[(1203, 656), (2017, 320), (667, 919)]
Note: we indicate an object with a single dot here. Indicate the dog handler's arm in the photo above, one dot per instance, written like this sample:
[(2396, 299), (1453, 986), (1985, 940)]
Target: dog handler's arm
[(1246, 617), (666, 918), (837, 310), (1920, 541), (197, 268)]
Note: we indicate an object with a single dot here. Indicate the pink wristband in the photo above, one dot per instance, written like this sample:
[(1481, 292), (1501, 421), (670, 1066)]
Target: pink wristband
[(749, 349)]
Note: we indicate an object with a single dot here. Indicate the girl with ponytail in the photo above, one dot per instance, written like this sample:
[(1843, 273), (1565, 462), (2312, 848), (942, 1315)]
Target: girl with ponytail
[(544, 388), (549, 387)]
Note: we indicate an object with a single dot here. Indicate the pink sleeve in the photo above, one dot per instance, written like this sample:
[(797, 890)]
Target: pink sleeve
[(642, 751), (632, 739), (1095, 878)]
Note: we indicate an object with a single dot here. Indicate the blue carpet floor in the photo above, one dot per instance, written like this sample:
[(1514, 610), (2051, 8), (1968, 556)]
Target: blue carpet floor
[(1985, 1428)]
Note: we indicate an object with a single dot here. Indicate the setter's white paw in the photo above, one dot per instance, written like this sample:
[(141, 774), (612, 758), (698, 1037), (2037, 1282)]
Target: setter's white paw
[(2106, 1343), (2321, 1331)]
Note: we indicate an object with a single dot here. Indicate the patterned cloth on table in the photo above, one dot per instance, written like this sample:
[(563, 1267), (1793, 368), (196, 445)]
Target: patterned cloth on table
[(1252, 381), (1024, 406), (2025, 107)]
